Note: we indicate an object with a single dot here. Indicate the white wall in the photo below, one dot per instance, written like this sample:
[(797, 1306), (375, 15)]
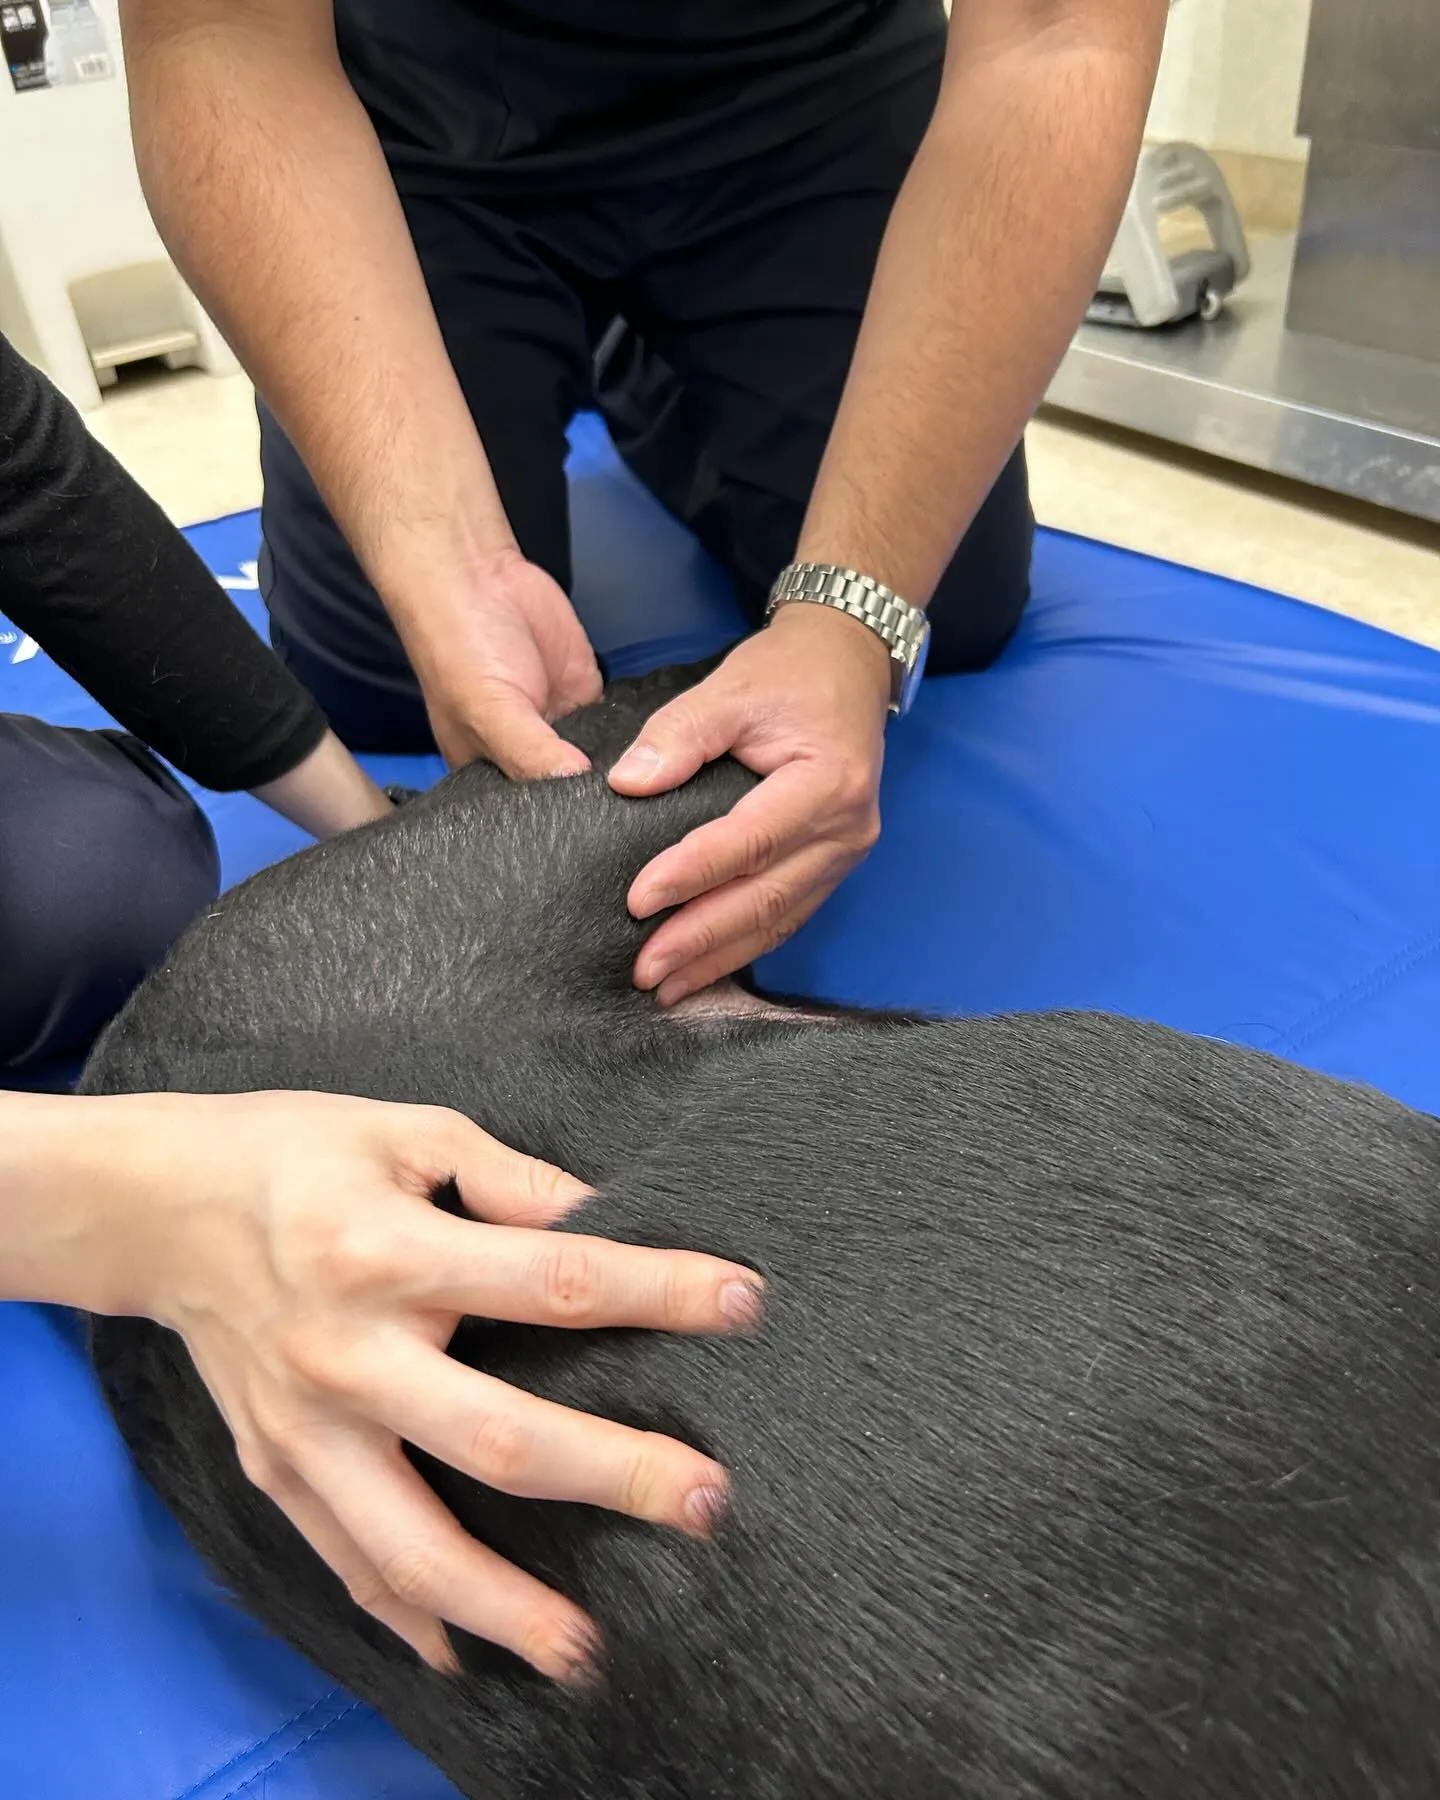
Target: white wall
[(1230, 76), (71, 206)]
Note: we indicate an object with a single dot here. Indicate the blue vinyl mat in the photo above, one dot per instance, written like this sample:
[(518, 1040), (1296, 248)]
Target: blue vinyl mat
[(1175, 797)]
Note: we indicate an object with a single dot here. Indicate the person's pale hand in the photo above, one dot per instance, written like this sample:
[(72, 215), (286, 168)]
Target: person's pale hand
[(291, 1241), (802, 703), (498, 667)]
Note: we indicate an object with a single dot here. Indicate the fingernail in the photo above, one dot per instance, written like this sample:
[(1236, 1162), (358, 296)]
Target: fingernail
[(705, 1509), (652, 900), (743, 1304), (638, 763), (659, 969)]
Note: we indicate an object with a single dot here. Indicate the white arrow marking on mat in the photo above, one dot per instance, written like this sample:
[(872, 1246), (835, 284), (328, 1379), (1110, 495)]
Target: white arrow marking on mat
[(247, 581), (24, 650)]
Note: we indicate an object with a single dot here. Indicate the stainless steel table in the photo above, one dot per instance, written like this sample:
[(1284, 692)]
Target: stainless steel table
[(1357, 421)]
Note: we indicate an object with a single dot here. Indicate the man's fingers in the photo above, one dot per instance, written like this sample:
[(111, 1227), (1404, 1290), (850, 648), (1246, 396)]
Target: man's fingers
[(317, 1524), (581, 684), (770, 822), (527, 748), (731, 926), (528, 1277), (681, 738), (537, 1450), (517, 738), (695, 977), (420, 1559)]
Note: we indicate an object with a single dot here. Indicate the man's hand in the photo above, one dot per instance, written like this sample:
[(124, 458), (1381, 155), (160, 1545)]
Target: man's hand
[(251, 95), (499, 664), (802, 703)]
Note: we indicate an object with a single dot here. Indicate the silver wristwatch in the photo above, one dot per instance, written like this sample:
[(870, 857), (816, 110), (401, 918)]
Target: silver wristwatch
[(903, 629)]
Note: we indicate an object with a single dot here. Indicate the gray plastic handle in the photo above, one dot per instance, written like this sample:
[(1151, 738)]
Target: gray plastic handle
[(1168, 177)]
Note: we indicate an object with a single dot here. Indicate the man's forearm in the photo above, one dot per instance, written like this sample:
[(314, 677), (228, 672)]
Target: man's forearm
[(271, 192), (994, 248)]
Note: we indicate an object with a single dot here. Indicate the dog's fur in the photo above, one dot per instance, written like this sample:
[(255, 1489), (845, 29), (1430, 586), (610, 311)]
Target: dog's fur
[(1091, 1447)]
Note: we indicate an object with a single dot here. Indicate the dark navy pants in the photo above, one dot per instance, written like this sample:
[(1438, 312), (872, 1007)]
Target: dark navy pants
[(742, 291), (104, 860)]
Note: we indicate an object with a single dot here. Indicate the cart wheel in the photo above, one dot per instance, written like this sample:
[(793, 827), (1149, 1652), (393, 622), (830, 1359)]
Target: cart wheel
[(1211, 304)]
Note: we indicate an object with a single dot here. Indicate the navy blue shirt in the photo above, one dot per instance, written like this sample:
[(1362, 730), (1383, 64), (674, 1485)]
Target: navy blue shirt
[(528, 95)]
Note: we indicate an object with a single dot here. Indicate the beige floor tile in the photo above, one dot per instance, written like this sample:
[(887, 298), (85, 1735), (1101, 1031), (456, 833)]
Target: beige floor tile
[(1128, 490), (190, 439)]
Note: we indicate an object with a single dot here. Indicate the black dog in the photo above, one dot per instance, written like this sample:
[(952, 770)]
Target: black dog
[(1091, 1448)]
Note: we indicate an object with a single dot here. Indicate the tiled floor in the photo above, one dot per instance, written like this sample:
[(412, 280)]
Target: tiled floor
[(1193, 509), (191, 440)]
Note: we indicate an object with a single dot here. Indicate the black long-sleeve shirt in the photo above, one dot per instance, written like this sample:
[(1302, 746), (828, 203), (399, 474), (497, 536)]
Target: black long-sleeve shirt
[(96, 574)]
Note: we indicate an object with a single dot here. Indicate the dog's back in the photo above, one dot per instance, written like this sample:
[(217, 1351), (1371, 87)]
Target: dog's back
[(1092, 1444)]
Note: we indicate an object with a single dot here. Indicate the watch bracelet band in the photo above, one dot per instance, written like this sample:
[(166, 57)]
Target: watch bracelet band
[(900, 626)]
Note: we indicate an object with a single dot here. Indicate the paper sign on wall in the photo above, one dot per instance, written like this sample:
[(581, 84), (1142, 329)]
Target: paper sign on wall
[(59, 45)]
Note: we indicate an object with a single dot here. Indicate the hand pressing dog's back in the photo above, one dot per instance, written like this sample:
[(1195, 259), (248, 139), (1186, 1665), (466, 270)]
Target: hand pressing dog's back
[(1091, 1448)]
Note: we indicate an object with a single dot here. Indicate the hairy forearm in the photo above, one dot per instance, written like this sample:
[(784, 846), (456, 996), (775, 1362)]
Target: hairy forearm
[(994, 248), (270, 190)]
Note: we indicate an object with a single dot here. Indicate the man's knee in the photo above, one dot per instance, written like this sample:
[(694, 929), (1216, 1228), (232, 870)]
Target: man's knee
[(983, 593), (104, 860)]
